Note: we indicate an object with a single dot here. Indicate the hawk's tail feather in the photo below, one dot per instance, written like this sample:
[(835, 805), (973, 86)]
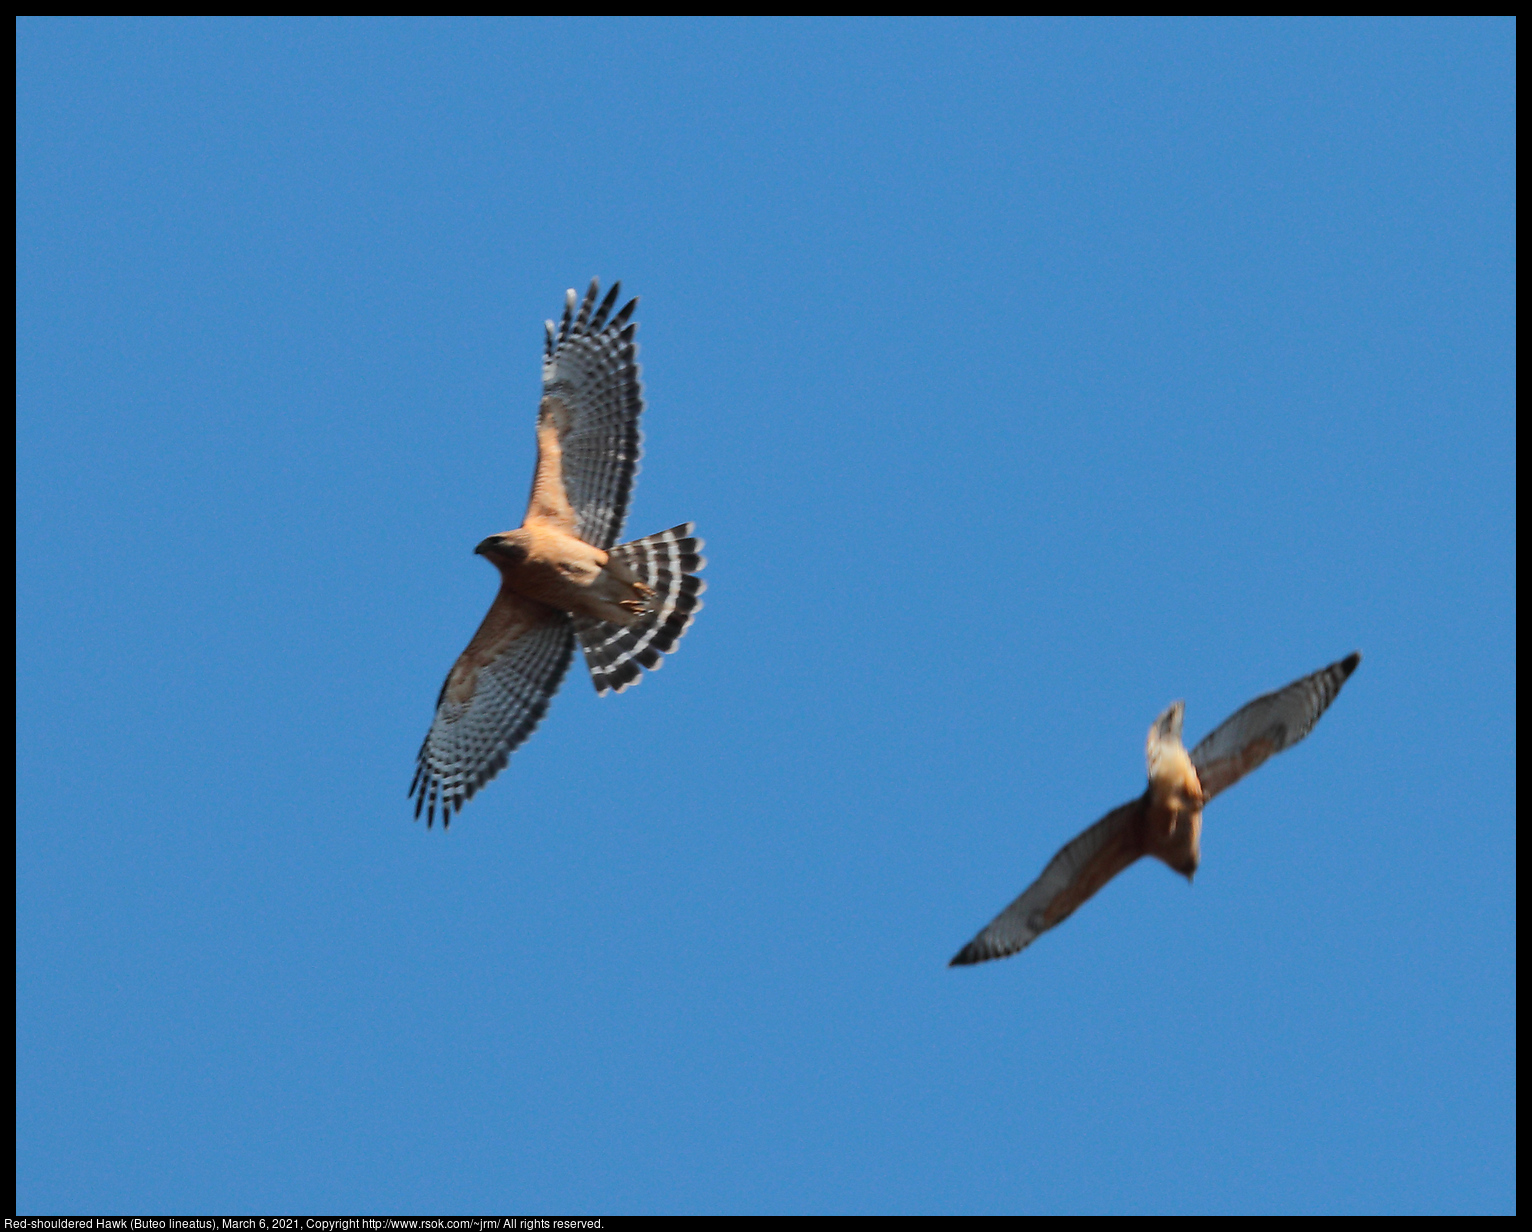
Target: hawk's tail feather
[(666, 563)]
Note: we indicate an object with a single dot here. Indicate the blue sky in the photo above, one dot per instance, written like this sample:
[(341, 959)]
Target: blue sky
[(1022, 376)]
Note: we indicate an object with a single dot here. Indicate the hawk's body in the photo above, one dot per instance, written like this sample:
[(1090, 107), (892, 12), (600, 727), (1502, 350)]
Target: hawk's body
[(1166, 821), (561, 578)]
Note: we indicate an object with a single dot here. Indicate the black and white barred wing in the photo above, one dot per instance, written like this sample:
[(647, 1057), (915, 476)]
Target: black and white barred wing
[(495, 695), (1086, 863), (665, 563), (590, 367), (1266, 726)]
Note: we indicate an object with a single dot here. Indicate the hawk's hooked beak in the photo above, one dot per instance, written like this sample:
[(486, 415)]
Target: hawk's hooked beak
[(484, 547)]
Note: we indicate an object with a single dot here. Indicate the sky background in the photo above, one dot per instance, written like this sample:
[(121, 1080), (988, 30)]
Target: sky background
[(1023, 377)]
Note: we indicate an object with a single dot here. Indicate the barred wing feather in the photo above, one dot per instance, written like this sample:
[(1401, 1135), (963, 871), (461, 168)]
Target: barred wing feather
[(492, 701), (1085, 864), (591, 367), (1266, 726)]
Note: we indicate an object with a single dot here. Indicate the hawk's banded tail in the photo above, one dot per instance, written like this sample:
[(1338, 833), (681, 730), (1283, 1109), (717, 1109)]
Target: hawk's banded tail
[(665, 563)]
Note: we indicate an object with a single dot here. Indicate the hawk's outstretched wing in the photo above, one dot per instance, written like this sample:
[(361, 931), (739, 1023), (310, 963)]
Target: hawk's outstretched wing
[(1086, 863), (494, 697), (592, 399), (1267, 725)]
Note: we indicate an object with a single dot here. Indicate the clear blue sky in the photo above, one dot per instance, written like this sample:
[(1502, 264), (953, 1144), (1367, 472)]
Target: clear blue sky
[(1023, 377)]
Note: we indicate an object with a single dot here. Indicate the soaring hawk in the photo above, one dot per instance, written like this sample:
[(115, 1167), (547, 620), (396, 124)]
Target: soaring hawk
[(1166, 821), (561, 578)]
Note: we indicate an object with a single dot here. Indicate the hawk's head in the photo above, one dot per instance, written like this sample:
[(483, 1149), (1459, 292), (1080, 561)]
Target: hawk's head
[(1170, 769), (502, 549)]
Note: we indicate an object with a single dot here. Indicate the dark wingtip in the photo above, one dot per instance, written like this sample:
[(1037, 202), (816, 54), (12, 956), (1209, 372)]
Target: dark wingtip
[(967, 956), (1348, 664), (598, 321), (621, 319)]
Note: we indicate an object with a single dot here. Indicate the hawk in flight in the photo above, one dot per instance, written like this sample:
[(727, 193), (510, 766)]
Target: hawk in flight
[(561, 578), (1166, 821)]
